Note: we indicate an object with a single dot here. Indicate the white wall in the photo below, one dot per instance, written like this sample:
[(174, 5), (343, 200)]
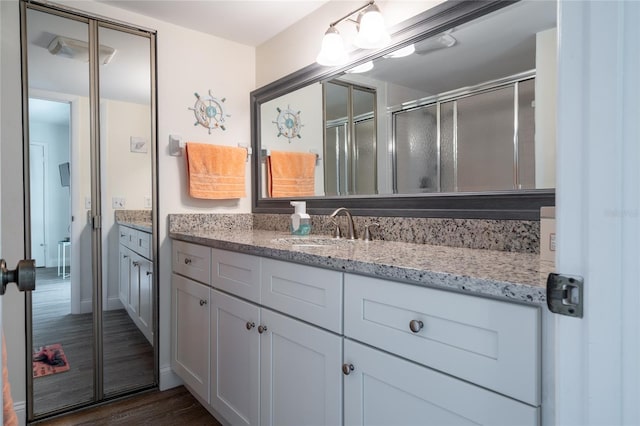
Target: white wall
[(188, 62)]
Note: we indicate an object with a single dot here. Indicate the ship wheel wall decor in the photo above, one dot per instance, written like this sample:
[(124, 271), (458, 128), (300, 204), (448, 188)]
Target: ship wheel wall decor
[(288, 123), (209, 112)]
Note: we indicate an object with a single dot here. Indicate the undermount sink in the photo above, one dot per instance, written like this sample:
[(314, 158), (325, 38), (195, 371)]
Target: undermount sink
[(311, 241)]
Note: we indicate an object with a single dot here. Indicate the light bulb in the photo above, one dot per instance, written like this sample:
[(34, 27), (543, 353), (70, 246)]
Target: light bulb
[(372, 33), (332, 51)]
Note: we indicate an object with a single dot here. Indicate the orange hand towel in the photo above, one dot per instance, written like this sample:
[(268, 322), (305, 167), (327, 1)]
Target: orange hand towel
[(291, 174), (215, 172)]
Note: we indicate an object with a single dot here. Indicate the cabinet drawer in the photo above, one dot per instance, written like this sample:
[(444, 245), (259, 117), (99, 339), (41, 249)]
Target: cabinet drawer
[(309, 293), (143, 244), (491, 343), (125, 235), (192, 260), (236, 273)]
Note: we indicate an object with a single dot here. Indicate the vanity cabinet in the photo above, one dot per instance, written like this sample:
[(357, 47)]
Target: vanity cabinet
[(135, 286), (267, 364), (291, 344)]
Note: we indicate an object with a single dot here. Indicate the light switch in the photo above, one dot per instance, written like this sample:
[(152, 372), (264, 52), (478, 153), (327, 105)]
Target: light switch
[(87, 203), (147, 202)]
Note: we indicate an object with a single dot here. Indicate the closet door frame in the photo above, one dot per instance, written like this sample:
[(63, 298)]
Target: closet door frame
[(94, 24)]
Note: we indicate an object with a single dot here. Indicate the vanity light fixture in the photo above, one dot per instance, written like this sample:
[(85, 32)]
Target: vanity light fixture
[(372, 34)]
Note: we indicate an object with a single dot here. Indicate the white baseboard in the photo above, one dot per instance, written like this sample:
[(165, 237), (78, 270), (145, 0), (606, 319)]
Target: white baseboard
[(21, 411), (169, 379), (114, 303)]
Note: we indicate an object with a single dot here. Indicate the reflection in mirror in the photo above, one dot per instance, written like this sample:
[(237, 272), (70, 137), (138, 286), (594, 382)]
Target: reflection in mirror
[(350, 138), (62, 169), (470, 109), (62, 331), (125, 137)]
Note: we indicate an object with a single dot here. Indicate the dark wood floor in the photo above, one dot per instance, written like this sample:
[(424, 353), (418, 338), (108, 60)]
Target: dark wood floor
[(128, 356), (172, 407)]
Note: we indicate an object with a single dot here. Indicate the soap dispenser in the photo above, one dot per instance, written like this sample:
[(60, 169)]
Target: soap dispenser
[(300, 220)]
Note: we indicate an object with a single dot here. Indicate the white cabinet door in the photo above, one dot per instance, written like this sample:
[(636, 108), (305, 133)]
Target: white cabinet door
[(300, 373), (190, 334), (383, 389), (235, 359), (125, 271), (145, 309)]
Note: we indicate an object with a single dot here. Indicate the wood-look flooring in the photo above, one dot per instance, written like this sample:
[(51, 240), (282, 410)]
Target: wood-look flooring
[(128, 356), (172, 407)]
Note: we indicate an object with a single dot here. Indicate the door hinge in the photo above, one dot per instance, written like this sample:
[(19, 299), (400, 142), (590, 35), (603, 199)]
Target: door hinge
[(97, 222), (565, 294)]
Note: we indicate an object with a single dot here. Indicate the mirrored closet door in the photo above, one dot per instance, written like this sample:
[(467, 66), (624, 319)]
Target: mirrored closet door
[(90, 150)]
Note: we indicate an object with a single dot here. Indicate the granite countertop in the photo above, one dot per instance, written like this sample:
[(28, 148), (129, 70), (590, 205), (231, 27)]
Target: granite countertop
[(141, 225), (509, 276)]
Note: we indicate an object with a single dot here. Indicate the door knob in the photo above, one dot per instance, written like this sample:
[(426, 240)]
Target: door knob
[(24, 275)]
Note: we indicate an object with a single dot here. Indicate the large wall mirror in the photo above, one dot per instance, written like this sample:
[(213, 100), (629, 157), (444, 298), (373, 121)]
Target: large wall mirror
[(455, 119)]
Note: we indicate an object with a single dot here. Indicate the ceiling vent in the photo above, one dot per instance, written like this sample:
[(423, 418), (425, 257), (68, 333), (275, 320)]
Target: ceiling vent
[(79, 50)]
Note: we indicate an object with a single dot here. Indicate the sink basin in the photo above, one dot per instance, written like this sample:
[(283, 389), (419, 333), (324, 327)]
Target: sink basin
[(311, 241)]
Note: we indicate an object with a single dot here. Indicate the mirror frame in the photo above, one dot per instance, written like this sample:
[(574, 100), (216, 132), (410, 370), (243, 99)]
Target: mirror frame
[(504, 205)]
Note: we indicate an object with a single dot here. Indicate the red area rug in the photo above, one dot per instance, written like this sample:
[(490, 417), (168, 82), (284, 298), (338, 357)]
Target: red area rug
[(48, 360)]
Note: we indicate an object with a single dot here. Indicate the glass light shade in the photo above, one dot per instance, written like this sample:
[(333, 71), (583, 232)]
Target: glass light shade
[(367, 66), (401, 53), (372, 33), (332, 51)]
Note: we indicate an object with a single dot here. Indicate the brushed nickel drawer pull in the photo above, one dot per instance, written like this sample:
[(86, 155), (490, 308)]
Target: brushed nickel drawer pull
[(203, 302), (250, 325), (262, 329), (187, 261), (416, 325)]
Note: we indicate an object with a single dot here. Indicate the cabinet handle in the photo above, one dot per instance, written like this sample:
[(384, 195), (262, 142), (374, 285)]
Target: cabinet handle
[(187, 261), (262, 329), (347, 369), (125, 256), (135, 264), (203, 302), (415, 325), (250, 325), (122, 235), (149, 273)]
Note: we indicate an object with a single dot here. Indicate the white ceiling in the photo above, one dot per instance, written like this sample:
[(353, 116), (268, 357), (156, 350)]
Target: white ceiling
[(250, 22)]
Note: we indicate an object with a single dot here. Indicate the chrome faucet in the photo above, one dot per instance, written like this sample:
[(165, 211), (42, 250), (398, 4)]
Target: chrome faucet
[(350, 228)]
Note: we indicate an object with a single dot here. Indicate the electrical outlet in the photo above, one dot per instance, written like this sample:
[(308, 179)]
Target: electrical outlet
[(87, 203), (118, 202), (147, 202)]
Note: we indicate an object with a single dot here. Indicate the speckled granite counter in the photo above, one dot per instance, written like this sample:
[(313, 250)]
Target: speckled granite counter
[(504, 275), (137, 219)]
